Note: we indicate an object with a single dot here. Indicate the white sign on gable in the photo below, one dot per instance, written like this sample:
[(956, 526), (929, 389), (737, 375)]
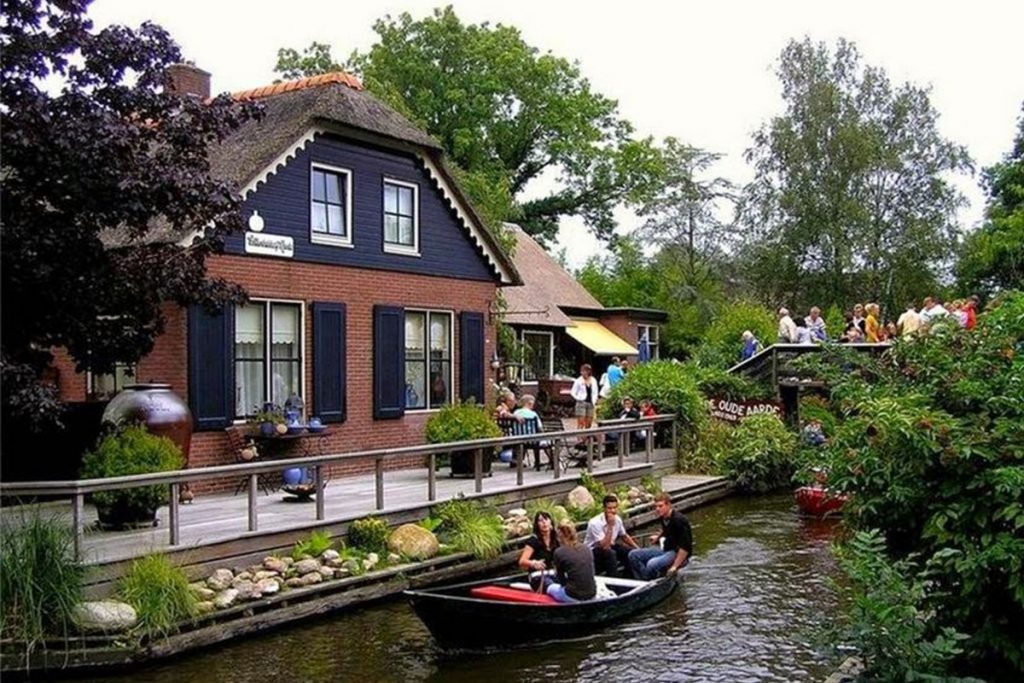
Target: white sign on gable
[(269, 245)]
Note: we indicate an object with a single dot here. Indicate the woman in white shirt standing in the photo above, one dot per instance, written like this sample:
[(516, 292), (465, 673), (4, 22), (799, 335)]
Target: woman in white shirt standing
[(585, 392)]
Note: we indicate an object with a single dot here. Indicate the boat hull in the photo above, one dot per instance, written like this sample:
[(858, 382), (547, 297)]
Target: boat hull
[(461, 621), (816, 501)]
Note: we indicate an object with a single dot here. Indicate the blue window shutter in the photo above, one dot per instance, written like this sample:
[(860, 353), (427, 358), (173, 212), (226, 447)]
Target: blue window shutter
[(211, 368), (471, 356), (388, 362), (329, 361)]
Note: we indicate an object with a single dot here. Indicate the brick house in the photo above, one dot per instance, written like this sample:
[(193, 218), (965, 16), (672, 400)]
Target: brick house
[(564, 326), (372, 280)]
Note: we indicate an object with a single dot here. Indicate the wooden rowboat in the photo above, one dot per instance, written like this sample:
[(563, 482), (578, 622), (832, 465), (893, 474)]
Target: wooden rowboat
[(505, 610), (818, 501)]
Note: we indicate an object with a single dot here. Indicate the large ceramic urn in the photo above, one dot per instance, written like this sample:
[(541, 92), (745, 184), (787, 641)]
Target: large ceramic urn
[(162, 411)]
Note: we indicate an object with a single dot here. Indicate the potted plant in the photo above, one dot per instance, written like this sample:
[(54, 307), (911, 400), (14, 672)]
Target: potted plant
[(463, 422), (269, 421), (130, 449)]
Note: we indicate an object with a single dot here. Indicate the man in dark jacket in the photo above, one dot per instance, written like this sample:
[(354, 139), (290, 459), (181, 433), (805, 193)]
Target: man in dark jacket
[(670, 550)]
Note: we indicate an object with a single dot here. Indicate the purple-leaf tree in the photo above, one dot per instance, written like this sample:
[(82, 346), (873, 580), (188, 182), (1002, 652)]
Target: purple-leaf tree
[(101, 163)]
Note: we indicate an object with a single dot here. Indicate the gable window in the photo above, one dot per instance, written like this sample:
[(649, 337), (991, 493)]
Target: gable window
[(428, 359), (330, 205), (539, 362), (401, 217), (104, 386), (651, 332), (267, 355)]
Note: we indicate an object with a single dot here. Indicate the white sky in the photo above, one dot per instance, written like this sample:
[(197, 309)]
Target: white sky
[(702, 72)]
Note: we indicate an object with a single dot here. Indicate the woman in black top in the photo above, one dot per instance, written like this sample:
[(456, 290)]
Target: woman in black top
[(539, 551)]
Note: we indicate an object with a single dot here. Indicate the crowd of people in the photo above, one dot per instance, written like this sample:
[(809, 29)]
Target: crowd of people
[(606, 550), (865, 324)]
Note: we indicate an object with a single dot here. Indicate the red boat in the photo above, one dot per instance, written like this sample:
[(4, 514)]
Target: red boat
[(818, 501)]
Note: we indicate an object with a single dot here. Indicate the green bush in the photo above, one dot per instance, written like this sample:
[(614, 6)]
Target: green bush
[(715, 381), (471, 528), (761, 456), (40, 582), (131, 450), (706, 455), (723, 340), (461, 422), (314, 546), (160, 594), (557, 511), (370, 534), (887, 619), (453, 512), (670, 386)]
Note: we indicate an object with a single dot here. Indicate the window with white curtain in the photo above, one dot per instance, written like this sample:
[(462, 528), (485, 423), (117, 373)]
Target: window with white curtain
[(651, 331), (268, 355), (428, 359)]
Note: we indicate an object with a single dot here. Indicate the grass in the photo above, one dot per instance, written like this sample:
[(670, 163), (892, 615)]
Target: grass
[(314, 546), (40, 582), (481, 534), (556, 510), (159, 592)]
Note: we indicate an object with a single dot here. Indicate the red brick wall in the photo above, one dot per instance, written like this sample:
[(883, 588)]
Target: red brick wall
[(620, 324), (360, 290)]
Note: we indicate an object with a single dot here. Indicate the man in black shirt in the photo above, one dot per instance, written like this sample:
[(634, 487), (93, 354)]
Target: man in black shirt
[(669, 556)]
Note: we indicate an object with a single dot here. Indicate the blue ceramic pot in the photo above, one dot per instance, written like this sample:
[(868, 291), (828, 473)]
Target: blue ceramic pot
[(268, 429), (292, 476)]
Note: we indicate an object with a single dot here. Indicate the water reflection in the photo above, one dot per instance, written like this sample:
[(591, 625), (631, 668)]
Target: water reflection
[(751, 602)]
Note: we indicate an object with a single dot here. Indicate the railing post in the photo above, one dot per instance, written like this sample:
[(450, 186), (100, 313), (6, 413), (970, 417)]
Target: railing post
[(78, 522), (432, 479), (649, 444), (254, 480), (478, 469), (173, 514), (590, 454), (379, 477), (520, 451), (675, 438), (321, 501), (623, 440)]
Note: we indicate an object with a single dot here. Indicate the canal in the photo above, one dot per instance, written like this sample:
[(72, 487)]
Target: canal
[(751, 608)]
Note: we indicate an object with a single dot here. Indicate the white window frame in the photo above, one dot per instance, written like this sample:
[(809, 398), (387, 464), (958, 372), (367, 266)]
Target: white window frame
[(402, 249), (551, 352), (323, 238), (267, 361), (654, 347), (451, 363)]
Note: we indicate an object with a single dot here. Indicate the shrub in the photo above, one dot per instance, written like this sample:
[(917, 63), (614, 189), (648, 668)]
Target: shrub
[(760, 458), (816, 408), (40, 582), (131, 450), (314, 546), (715, 381), (707, 454), (453, 512), (723, 340), (159, 592), (461, 422), (670, 386), (480, 534), (369, 534), (555, 510)]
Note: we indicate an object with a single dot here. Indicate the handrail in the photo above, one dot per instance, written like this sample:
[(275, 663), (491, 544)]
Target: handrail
[(813, 347), (78, 489)]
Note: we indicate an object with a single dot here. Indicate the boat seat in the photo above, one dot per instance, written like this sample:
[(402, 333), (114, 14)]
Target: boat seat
[(506, 594)]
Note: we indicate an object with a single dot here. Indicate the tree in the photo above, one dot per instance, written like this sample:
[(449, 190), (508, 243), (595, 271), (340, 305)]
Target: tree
[(95, 153), (506, 114), (851, 198), (993, 256)]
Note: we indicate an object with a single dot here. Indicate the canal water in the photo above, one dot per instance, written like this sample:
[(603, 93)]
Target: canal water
[(752, 606)]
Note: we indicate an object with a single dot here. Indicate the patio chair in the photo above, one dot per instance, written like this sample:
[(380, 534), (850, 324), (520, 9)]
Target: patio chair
[(244, 449)]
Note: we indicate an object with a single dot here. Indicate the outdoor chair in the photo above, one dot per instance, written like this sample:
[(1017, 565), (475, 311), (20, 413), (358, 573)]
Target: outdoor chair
[(511, 426), (243, 449)]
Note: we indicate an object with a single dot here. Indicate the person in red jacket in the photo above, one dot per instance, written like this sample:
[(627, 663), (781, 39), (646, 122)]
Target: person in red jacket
[(972, 312)]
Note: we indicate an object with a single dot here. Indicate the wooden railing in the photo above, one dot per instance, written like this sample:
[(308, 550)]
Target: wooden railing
[(77, 490), (768, 358)]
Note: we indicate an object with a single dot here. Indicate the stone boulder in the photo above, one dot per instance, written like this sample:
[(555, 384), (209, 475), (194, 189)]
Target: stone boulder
[(268, 586), (311, 578), (580, 498), (275, 564), (330, 555), (201, 591), (220, 579), (104, 616), (414, 542), (303, 567), (225, 598), (247, 590)]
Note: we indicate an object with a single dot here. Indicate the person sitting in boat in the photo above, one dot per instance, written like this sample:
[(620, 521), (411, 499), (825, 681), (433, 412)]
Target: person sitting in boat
[(539, 552), (670, 550), (607, 538), (574, 567)]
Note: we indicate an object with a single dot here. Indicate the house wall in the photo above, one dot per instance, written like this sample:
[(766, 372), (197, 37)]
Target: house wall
[(360, 290)]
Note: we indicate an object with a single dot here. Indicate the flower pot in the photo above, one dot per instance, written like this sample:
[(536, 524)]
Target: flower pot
[(162, 411), (268, 429), (123, 514), (462, 464), (292, 476)]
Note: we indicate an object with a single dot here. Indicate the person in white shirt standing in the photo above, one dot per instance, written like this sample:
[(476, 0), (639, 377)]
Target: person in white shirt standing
[(909, 321), (585, 391), (787, 328)]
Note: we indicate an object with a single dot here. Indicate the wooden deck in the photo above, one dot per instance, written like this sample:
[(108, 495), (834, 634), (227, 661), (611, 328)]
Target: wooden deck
[(220, 518)]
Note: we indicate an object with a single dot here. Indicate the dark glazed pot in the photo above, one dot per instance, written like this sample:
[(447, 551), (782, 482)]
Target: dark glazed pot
[(156, 406)]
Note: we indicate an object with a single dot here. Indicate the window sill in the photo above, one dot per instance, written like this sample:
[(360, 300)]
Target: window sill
[(331, 240), (401, 251)]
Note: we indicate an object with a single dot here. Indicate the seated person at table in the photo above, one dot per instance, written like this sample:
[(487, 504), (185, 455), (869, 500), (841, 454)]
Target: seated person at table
[(574, 567), (526, 412), (506, 405), (539, 552), (607, 538), (628, 412), (670, 550)]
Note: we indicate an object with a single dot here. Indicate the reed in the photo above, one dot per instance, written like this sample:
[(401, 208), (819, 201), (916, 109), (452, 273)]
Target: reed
[(159, 592)]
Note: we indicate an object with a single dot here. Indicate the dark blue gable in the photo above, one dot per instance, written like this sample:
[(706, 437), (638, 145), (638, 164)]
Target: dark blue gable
[(446, 249)]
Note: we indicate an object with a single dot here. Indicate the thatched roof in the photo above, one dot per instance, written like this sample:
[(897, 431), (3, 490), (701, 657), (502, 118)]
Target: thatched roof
[(546, 285)]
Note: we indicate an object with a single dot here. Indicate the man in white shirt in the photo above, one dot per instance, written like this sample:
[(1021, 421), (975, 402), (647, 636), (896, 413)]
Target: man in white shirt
[(787, 328), (816, 325), (932, 310), (607, 537), (909, 321)]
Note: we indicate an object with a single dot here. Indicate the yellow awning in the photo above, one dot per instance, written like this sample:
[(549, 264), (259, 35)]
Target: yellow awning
[(599, 338)]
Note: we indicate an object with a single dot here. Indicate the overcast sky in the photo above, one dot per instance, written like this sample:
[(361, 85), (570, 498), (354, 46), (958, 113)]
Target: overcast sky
[(702, 72)]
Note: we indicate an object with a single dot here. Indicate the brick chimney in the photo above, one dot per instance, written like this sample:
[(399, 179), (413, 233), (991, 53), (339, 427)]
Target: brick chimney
[(188, 79)]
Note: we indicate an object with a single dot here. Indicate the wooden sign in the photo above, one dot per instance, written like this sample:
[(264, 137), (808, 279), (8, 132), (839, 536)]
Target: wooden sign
[(735, 411)]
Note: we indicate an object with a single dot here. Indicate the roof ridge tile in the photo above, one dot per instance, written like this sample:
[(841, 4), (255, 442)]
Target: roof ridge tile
[(304, 83)]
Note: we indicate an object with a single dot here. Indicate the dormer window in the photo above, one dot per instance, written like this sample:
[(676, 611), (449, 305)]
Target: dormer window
[(331, 205), (401, 217)]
